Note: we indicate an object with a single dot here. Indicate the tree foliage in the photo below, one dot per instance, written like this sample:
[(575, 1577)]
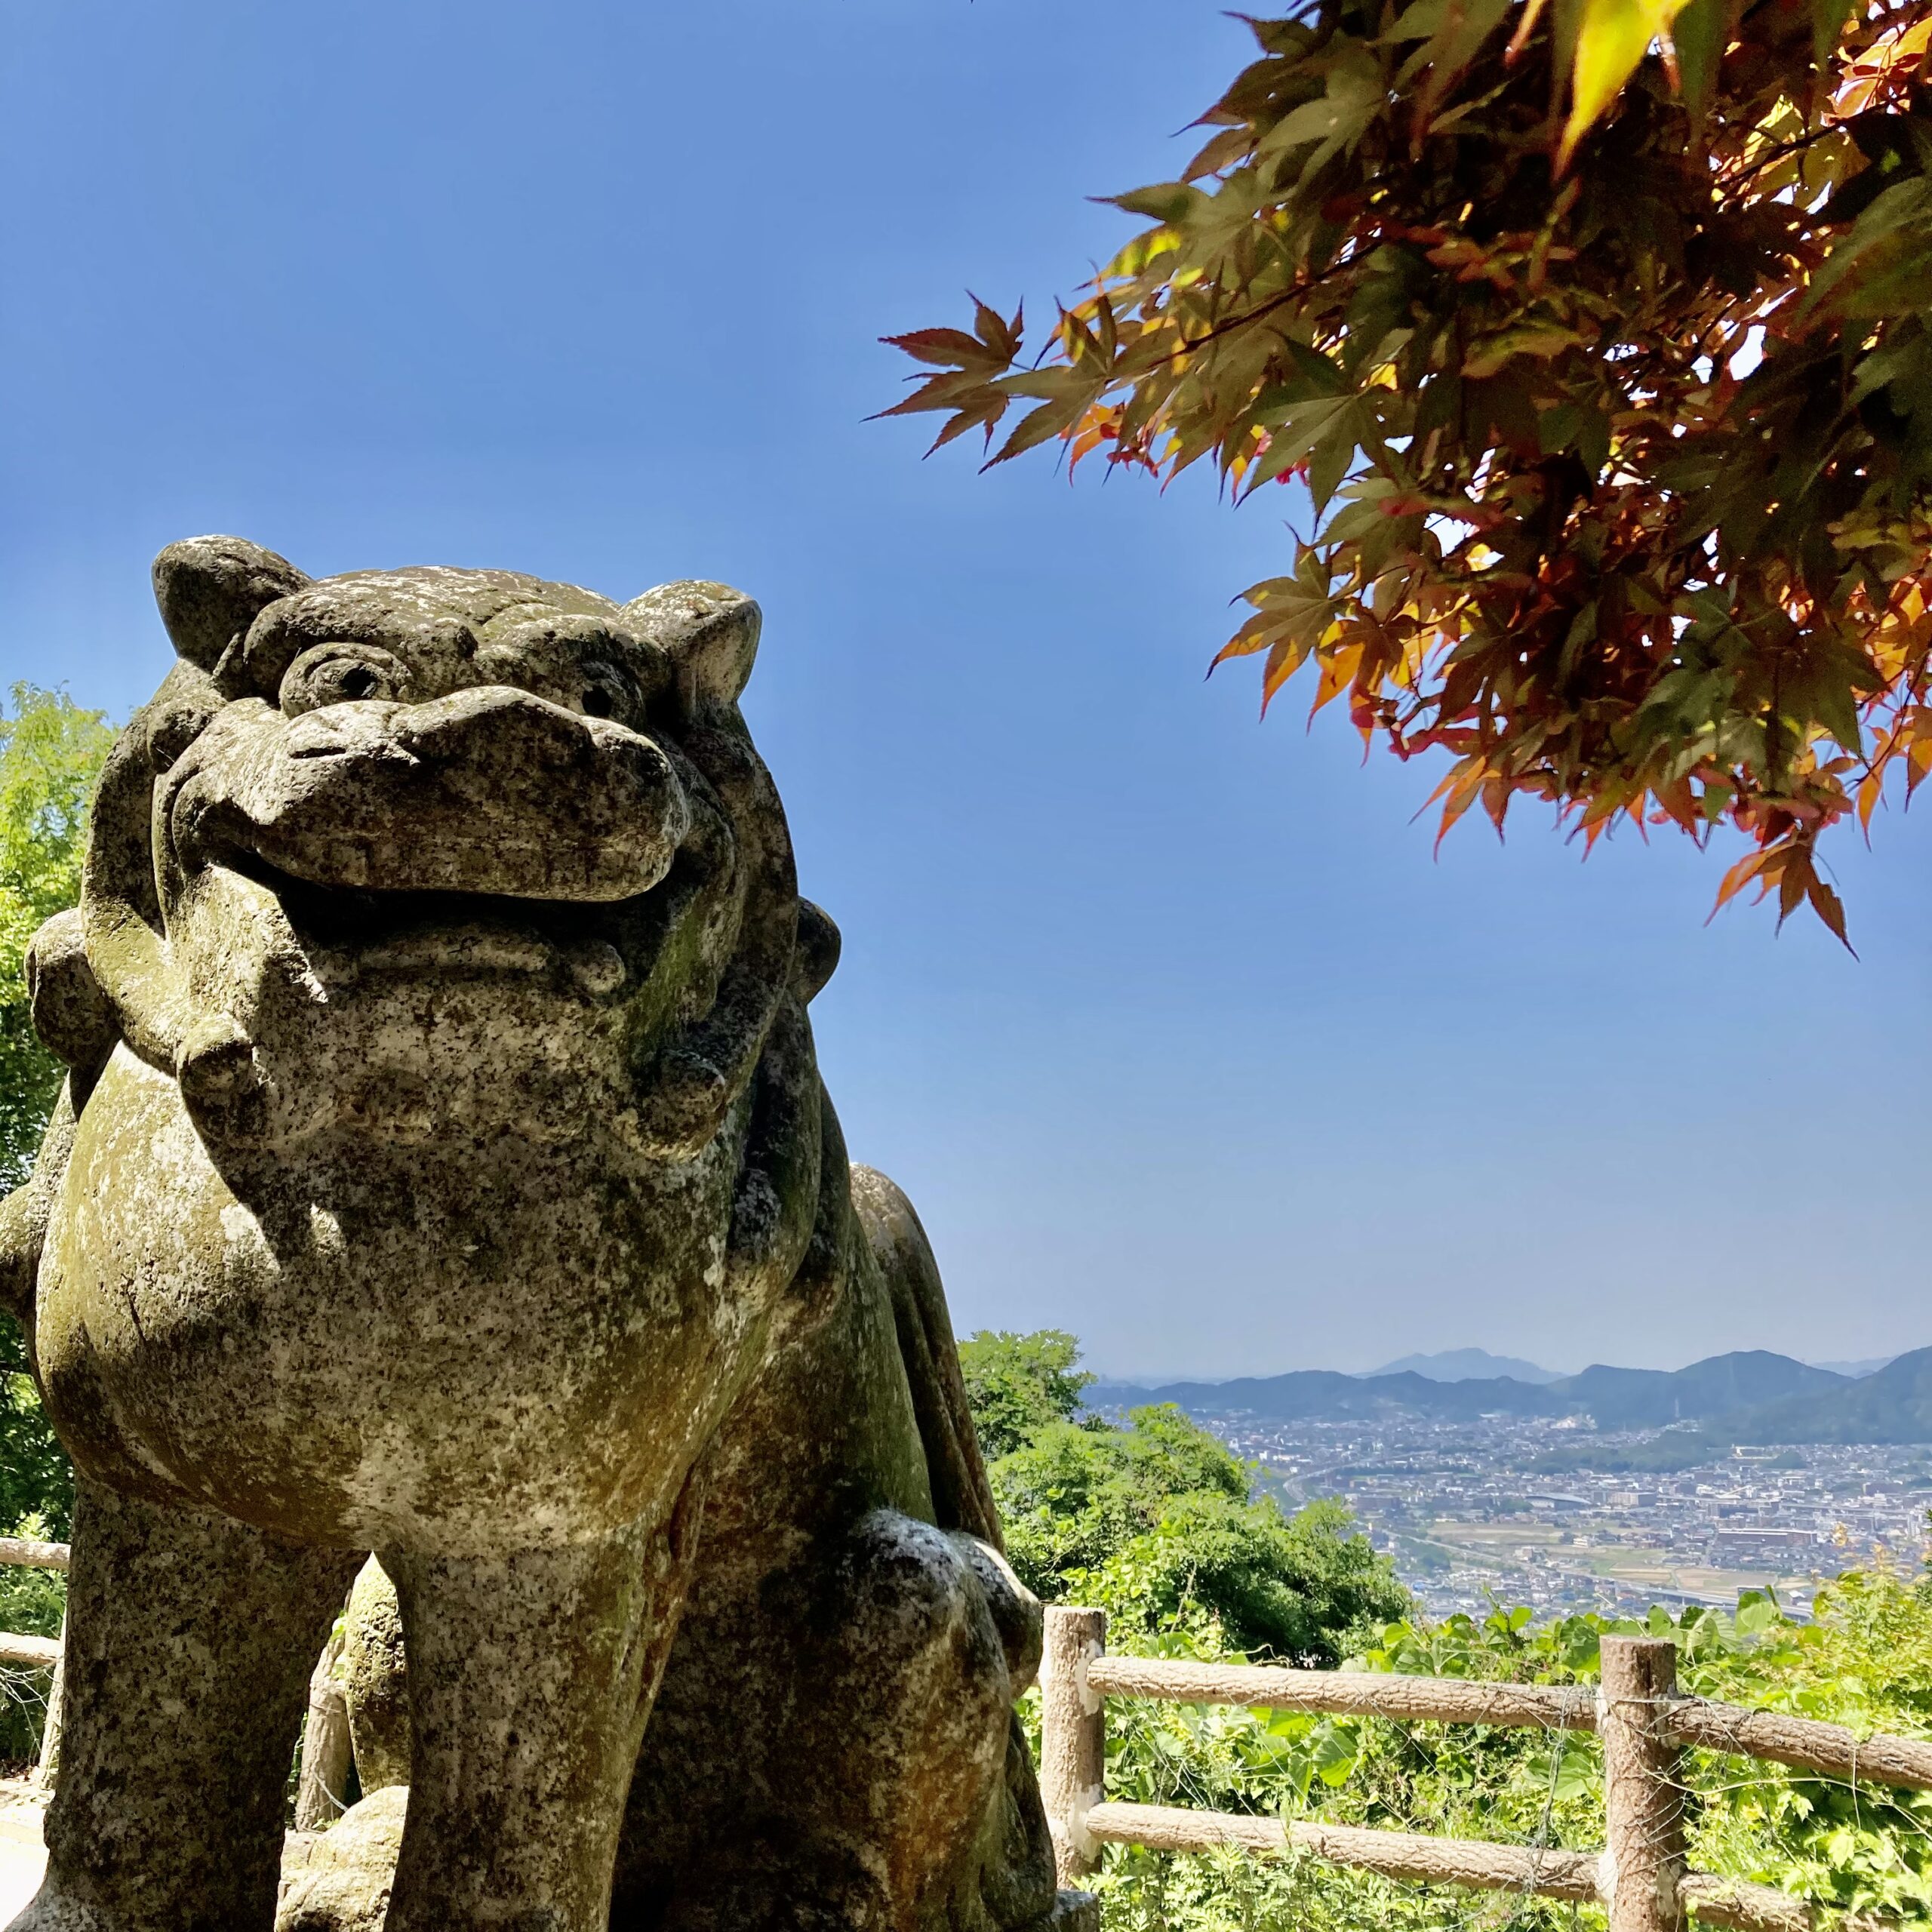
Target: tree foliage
[(1017, 1384), (1595, 330), (51, 752), (1157, 1522)]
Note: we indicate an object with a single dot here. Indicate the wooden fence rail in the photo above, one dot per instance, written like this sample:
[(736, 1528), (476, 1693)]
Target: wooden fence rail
[(37, 1653), (1640, 1876), (32, 1555), (1802, 1743)]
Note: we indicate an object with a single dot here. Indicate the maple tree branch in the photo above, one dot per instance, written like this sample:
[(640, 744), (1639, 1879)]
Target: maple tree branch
[(1567, 417), (1796, 144), (1188, 344)]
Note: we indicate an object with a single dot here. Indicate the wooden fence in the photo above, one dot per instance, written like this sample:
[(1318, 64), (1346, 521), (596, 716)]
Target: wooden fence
[(37, 1653), (1640, 1876)]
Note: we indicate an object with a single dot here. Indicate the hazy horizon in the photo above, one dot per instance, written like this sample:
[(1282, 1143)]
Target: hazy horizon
[(1155, 1378)]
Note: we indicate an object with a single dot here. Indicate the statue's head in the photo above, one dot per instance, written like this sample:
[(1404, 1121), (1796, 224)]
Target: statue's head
[(427, 852)]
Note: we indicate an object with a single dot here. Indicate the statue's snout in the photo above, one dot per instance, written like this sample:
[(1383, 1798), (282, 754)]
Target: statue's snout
[(490, 790)]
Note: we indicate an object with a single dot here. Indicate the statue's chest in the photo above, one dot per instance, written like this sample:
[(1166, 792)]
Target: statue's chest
[(365, 1343)]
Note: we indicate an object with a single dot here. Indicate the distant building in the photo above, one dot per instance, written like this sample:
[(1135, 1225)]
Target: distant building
[(1762, 1540)]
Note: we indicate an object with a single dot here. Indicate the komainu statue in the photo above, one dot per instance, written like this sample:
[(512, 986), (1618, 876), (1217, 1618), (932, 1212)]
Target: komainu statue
[(444, 1172)]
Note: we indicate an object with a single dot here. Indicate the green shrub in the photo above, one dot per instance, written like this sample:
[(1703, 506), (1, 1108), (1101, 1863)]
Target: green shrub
[(36, 1479), (1158, 1520)]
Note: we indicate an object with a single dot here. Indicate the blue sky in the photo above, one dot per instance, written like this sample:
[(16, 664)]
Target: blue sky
[(1177, 1032)]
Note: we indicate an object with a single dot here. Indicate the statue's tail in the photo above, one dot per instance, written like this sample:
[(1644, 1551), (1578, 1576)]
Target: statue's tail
[(962, 1497), (1007, 1884)]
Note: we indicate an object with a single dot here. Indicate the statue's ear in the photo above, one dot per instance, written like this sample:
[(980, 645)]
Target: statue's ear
[(211, 589), (708, 630)]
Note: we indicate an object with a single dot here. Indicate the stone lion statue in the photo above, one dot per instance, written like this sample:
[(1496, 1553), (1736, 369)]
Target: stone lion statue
[(444, 1172)]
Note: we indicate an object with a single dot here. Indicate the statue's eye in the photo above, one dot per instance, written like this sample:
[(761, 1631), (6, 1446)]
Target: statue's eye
[(340, 674), (608, 692)]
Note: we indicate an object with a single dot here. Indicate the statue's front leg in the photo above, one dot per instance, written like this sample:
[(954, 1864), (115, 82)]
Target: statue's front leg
[(531, 1676), (190, 1638)]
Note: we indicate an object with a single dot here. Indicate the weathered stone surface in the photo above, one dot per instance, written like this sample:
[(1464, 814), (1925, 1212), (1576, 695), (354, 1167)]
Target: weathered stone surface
[(1074, 1912), (839, 1553), (189, 1637), (338, 1881), (444, 1172), (375, 1679)]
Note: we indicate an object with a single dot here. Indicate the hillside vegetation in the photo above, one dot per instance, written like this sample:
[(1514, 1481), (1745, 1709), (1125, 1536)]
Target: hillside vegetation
[(1157, 1521), (1864, 1659)]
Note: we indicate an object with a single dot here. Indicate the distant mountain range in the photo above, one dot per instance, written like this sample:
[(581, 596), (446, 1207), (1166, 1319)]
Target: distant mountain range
[(1468, 1365), (1752, 1396)]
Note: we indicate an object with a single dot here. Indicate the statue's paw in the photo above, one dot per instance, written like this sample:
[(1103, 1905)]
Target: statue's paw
[(1072, 1911), (1017, 1613)]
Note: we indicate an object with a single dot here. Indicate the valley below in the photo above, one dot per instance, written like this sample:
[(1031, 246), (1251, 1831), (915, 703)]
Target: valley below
[(1609, 1491), (1472, 1514)]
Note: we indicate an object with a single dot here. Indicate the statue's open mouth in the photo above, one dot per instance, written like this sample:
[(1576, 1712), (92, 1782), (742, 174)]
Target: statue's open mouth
[(348, 935)]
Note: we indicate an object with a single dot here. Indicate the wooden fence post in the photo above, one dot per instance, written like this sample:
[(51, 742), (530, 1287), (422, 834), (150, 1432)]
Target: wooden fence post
[(47, 1767), (1643, 1859), (1073, 1736), (327, 1751)]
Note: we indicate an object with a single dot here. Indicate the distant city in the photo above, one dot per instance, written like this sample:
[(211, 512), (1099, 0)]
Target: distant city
[(1488, 1478)]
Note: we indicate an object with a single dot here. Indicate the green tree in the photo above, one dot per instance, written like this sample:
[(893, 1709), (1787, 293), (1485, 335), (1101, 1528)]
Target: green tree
[(1017, 1384), (51, 752), (1070, 1498), (1598, 335), (1157, 1523)]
